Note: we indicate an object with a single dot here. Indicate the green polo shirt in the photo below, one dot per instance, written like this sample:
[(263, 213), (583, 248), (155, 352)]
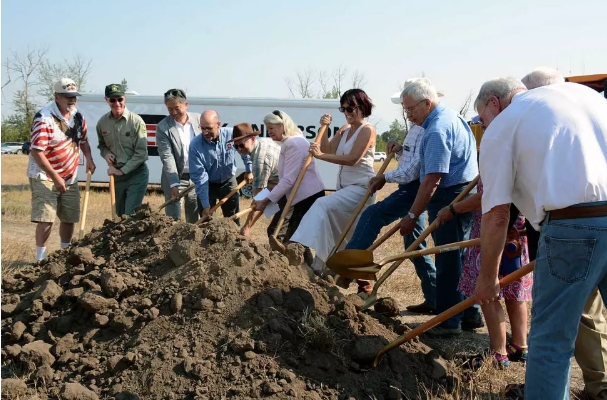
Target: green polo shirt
[(126, 138)]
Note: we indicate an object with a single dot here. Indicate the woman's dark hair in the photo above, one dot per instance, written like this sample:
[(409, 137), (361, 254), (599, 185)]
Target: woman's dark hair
[(358, 98)]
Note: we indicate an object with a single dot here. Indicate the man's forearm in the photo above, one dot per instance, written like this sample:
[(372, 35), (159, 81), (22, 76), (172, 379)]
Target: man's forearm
[(424, 193), (43, 163), (86, 150), (494, 226)]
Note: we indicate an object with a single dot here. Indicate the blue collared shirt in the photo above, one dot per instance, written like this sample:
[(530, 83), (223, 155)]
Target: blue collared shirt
[(448, 147), (213, 162)]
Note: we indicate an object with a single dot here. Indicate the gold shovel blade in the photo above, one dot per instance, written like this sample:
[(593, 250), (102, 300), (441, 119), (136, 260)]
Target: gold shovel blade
[(352, 264)]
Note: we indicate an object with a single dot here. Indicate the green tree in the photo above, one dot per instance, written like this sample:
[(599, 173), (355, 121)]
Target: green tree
[(14, 129), (395, 132), (124, 84), (48, 73)]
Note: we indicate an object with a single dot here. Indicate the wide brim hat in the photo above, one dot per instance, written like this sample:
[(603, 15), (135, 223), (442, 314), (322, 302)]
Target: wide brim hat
[(396, 96), (243, 131)]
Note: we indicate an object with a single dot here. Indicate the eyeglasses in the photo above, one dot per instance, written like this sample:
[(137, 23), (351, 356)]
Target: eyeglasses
[(409, 110), (277, 113), (206, 128), (116, 100), (347, 109), (175, 92)]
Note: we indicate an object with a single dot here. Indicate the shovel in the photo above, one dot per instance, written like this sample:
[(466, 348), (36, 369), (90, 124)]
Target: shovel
[(359, 264), (372, 298), (85, 206), (300, 177), (445, 315), (113, 197), (359, 208), (185, 191), (222, 201)]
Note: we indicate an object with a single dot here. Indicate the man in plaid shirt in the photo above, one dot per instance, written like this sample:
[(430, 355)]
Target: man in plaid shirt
[(264, 156)]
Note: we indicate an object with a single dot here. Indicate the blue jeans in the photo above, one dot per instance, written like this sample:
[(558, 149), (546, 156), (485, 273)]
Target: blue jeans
[(383, 213), (571, 263), (449, 265)]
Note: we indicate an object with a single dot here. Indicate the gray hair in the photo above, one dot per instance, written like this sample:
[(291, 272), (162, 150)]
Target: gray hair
[(170, 97), (421, 89), (502, 88), (278, 117), (542, 76)]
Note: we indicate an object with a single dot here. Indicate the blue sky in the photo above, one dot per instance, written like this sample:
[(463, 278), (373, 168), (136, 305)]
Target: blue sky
[(248, 48)]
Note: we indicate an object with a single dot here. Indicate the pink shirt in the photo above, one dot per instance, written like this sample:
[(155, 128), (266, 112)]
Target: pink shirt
[(293, 153)]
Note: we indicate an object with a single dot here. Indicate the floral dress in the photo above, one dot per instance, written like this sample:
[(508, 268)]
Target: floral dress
[(519, 290)]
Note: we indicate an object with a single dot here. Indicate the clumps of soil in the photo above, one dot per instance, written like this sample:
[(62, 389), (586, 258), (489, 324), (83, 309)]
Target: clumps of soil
[(146, 307)]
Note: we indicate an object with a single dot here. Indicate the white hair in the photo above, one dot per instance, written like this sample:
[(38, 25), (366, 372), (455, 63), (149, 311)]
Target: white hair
[(502, 88), (278, 117), (421, 89), (542, 76)]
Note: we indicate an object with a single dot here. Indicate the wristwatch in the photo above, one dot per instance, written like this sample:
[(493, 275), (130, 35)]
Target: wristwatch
[(411, 215), (452, 209)]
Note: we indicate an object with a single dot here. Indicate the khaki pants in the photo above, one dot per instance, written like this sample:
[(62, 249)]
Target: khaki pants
[(591, 346)]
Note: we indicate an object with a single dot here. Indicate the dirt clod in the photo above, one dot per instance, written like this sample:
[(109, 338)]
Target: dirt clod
[(387, 306)]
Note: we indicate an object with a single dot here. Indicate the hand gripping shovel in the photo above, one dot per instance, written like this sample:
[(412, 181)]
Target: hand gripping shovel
[(359, 208), (85, 206), (372, 298), (300, 177), (359, 264), (222, 201), (456, 309), (175, 200)]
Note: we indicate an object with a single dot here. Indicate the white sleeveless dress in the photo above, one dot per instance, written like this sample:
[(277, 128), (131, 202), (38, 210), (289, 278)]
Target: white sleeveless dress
[(324, 222)]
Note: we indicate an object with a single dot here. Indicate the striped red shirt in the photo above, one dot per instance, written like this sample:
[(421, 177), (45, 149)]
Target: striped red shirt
[(59, 149)]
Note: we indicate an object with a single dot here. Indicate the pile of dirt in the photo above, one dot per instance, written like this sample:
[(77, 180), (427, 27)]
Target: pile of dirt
[(146, 307)]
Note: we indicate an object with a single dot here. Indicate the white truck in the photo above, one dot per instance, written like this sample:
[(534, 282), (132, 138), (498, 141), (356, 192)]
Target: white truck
[(305, 113)]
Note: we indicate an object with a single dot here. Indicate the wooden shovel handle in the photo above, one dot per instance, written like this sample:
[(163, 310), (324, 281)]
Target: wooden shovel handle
[(432, 250), (222, 201), (456, 309), (385, 237), (185, 191), (360, 206), (85, 205), (424, 234), (113, 196), (241, 213), (300, 177)]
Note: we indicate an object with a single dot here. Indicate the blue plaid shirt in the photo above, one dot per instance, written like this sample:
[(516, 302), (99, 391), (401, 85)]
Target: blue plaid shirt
[(448, 147), (213, 162)]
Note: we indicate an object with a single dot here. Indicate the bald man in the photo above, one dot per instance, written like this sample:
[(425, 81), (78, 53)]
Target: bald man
[(212, 164)]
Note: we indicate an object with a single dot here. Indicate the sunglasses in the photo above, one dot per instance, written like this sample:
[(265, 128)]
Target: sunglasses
[(116, 100), (277, 113), (239, 145), (347, 109), (175, 92)]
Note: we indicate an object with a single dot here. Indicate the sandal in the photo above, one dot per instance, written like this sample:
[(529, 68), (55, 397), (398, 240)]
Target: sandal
[(475, 362), (516, 353)]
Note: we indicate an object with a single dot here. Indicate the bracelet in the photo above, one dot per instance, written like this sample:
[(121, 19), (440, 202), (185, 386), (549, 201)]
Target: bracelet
[(452, 209)]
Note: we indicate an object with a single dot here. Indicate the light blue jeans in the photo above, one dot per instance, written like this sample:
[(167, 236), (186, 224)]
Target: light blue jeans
[(571, 263)]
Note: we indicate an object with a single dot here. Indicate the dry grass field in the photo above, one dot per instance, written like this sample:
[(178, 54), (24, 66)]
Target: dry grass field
[(18, 248)]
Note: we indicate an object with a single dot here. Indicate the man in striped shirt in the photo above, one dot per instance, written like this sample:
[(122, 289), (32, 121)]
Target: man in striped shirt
[(264, 155), (58, 134)]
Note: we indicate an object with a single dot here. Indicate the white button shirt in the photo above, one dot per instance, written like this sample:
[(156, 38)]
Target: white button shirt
[(546, 151), (186, 134)]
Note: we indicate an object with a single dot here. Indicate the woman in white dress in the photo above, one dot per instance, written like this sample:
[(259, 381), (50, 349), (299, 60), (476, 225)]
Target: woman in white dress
[(353, 151)]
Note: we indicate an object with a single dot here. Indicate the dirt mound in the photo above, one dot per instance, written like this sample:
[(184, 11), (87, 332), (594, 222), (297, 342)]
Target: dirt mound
[(151, 308)]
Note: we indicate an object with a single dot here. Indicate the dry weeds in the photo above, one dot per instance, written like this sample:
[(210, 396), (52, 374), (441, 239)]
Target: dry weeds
[(18, 248)]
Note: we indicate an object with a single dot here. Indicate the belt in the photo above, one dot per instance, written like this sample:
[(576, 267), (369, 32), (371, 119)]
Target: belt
[(185, 176), (579, 212)]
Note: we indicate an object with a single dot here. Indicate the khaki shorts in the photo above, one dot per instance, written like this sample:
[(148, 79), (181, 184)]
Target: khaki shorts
[(48, 203)]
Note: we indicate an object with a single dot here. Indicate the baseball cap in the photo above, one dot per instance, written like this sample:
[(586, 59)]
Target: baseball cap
[(396, 96), (66, 87), (114, 89)]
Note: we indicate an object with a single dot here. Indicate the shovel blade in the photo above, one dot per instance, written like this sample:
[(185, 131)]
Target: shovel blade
[(345, 263)]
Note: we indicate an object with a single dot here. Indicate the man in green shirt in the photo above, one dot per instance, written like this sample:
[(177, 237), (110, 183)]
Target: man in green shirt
[(123, 144)]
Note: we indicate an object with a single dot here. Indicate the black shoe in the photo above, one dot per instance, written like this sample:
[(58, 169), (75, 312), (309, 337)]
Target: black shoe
[(308, 257), (471, 324), (423, 308)]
